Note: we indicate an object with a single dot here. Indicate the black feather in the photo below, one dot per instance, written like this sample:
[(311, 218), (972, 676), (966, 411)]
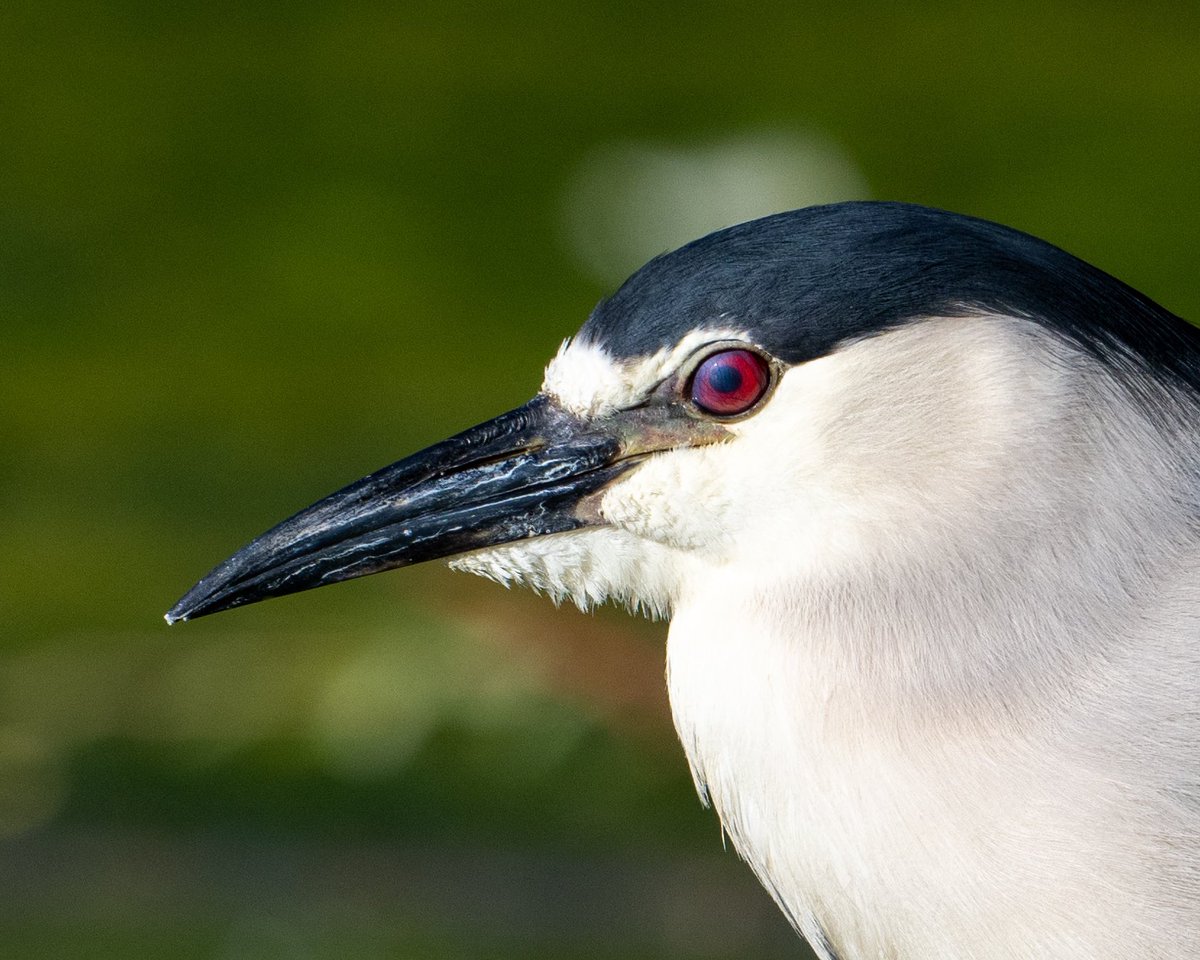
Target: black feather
[(806, 281)]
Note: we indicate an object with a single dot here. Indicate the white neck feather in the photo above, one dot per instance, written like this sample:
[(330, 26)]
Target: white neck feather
[(935, 699), (935, 610)]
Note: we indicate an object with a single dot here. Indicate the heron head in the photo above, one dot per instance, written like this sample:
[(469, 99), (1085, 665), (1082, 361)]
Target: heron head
[(789, 395)]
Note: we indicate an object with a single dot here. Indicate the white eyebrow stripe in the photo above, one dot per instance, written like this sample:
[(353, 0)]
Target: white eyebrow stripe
[(587, 380)]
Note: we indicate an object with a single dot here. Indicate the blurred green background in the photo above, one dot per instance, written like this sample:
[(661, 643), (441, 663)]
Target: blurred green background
[(249, 252)]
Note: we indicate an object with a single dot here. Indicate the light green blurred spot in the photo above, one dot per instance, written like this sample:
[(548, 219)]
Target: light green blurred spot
[(630, 201), (32, 781), (379, 706)]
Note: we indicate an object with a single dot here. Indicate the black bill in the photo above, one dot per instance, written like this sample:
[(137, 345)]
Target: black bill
[(527, 473)]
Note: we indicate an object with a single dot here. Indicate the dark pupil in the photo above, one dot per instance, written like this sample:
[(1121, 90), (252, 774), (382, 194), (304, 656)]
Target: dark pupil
[(726, 379)]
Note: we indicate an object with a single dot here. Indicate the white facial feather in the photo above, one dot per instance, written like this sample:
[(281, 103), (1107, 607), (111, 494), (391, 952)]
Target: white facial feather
[(587, 380), (641, 560), (586, 567), (934, 618)]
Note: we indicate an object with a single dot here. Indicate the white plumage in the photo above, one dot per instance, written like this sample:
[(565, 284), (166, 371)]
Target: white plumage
[(933, 650)]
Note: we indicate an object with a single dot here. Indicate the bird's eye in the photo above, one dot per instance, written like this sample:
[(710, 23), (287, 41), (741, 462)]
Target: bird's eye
[(730, 382)]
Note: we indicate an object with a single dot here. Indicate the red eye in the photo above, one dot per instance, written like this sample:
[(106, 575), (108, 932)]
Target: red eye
[(730, 382)]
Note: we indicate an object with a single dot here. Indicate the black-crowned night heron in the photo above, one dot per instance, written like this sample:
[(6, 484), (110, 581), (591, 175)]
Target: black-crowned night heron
[(921, 496)]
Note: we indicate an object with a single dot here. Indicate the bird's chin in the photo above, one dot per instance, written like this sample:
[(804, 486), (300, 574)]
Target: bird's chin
[(587, 567)]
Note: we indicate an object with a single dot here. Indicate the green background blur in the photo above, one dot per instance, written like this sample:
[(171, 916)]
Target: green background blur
[(250, 252)]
